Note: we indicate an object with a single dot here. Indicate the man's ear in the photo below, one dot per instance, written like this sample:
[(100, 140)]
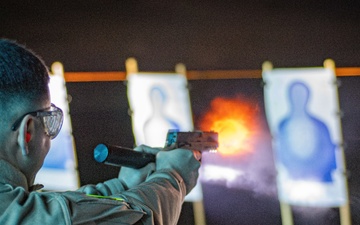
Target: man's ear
[(25, 133)]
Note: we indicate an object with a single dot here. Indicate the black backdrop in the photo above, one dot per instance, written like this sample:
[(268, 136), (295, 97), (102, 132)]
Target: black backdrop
[(98, 35), (99, 112)]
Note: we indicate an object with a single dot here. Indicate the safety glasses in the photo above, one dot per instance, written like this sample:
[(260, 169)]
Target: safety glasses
[(51, 118)]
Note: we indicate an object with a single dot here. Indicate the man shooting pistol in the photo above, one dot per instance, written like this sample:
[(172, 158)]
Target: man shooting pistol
[(197, 141), (150, 195)]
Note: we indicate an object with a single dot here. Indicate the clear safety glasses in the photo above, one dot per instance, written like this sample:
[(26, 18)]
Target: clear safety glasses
[(51, 118)]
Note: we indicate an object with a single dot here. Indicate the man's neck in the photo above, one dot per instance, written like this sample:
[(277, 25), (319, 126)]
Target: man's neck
[(11, 175)]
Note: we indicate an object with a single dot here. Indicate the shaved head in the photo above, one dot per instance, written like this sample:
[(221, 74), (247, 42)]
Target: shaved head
[(24, 81)]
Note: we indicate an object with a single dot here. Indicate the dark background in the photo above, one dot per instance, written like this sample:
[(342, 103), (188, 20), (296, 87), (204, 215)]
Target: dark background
[(96, 35), (204, 35)]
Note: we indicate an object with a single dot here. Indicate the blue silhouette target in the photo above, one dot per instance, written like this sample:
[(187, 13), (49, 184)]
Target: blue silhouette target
[(305, 147)]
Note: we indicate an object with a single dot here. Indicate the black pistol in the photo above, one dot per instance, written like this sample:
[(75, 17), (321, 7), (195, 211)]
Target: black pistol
[(122, 156)]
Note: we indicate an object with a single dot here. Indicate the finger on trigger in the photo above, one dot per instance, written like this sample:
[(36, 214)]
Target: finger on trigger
[(139, 148), (148, 149)]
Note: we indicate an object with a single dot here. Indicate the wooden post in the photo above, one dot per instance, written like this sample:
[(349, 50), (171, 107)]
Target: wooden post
[(345, 215), (131, 66), (285, 209), (180, 68), (267, 66), (57, 68), (198, 206), (199, 212), (286, 214)]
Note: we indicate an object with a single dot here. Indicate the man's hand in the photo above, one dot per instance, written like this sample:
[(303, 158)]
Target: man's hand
[(183, 161), (133, 177)]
